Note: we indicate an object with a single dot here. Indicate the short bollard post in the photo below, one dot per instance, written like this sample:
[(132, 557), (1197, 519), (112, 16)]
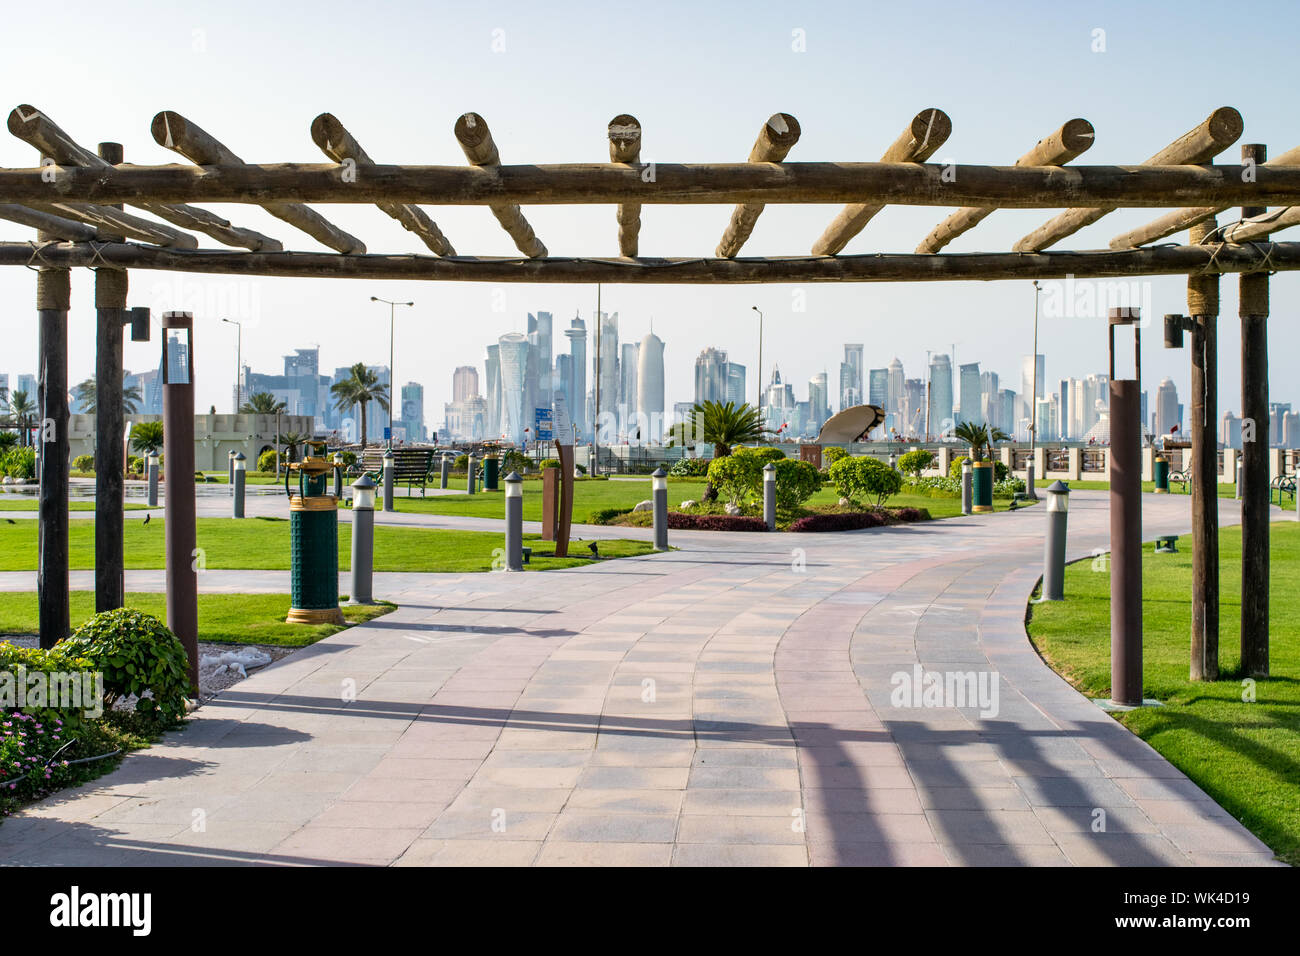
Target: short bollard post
[(469, 475), (230, 470), (967, 487), (1058, 506), (769, 496), (446, 470), (241, 480), (363, 540), (338, 475), (659, 487), (388, 480), (1238, 478), (514, 522), (152, 461)]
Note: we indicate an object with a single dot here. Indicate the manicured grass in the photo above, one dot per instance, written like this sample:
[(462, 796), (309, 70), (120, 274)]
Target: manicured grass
[(228, 618), (263, 544), (25, 503), (1244, 755), (1225, 491)]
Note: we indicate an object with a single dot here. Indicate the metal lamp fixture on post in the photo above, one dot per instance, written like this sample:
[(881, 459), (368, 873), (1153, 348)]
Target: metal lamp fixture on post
[(388, 480), (514, 522), (363, 540), (769, 496), (392, 379), (659, 488), (1033, 400), (241, 477), (239, 361), (1058, 506)]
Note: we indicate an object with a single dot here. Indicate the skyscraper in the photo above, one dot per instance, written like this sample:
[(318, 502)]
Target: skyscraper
[(576, 333), (736, 383), (711, 376), (627, 376), (1167, 412), (413, 409), (893, 411), (990, 411), (851, 376), (539, 341), (818, 407), (941, 411), (514, 358), (464, 383), (606, 365), (971, 407), (492, 427), (650, 388), (1027, 391)]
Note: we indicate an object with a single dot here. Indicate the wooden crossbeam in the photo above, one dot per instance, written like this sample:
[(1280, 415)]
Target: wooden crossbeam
[(118, 223), (879, 267), (1185, 218), (1216, 133), (1067, 143), (909, 184), (928, 131), (624, 134), (176, 133), (340, 145), (38, 130), (775, 140), (1260, 227), (48, 223), (481, 150)]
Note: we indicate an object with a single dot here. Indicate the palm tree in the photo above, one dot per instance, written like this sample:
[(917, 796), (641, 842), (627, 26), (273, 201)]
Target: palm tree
[(974, 434), (86, 392), (361, 387), (723, 426), (147, 437), (262, 403), (22, 408), (291, 441)]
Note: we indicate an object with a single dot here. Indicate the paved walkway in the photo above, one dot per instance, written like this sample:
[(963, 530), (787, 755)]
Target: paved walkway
[(729, 703)]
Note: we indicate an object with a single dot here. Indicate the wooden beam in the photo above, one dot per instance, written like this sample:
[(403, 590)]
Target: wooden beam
[(175, 132), (928, 131), (340, 145), (1074, 138), (775, 140), (624, 134), (476, 140), (1160, 260), (1180, 219), (118, 223), (1261, 226), (1199, 145), (38, 130), (909, 184), (57, 226)]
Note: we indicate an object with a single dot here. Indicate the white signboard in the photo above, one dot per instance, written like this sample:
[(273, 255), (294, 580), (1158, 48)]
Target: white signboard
[(561, 427)]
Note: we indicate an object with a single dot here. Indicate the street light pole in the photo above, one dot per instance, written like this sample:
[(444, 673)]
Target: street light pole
[(1033, 399), (239, 360), (759, 376), (392, 379)]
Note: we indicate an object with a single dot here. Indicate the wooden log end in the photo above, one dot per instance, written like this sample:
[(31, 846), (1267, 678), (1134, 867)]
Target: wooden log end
[(781, 131), (327, 132), (930, 129), (167, 127), (1225, 125), (20, 116), (624, 133), (472, 131), (1077, 135)]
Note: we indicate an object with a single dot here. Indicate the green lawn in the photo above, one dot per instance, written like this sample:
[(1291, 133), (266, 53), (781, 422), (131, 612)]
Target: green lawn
[(26, 503), (231, 618), (1244, 755), (263, 543), (1225, 491)]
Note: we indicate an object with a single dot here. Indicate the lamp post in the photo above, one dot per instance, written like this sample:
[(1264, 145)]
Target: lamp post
[(514, 522), (659, 487), (338, 475), (388, 480), (239, 360), (769, 496), (363, 540), (241, 476), (1058, 506), (759, 377), (392, 379), (1033, 399), (967, 487), (151, 468)]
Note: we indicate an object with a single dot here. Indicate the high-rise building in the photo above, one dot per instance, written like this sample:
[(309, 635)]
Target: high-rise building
[(1230, 434), (542, 376), (605, 364), (942, 418), (413, 411), (1168, 417), (4, 385), (969, 379), (27, 383), (989, 400), (1027, 380), (912, 417), (650, 388), (627, 375), (894, 399), (513, 352), (851, 376), (818, 402), (736, 383), (711, 376), (464, 383), (576, 333), (492, 428)]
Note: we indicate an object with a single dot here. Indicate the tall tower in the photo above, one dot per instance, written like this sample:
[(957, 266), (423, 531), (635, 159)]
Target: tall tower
[(576, 333), (514, 359), (650, 388)]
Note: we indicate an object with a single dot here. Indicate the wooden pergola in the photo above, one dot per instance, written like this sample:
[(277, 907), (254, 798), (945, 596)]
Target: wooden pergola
[(76, 199)]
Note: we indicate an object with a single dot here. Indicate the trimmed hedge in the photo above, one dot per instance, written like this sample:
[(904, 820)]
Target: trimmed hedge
[(857, 520), (606, 515), (687, 522)]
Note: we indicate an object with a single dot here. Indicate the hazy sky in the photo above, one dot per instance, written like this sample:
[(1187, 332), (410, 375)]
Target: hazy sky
[(702, 78)]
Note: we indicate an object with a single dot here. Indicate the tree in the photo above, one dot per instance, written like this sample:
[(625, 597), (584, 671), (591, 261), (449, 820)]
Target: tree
[(262, 403), (147, 437), (291, 441), (22, 408), (86, 394), (360, 388), (865, 478), (975, 435), (7, 440), (915, 461)]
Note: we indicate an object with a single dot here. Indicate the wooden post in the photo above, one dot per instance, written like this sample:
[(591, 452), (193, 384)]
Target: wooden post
[(928, 131), (550, 502), (110, 308), (182, 557), (775, 140), (1203, 307), (476, 140), (625, 147), (53, 294), (1253, 309)]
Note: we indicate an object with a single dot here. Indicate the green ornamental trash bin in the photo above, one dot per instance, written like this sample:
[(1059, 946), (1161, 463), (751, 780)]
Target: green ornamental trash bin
[(313, 545), (491, 469), (982, 486), (1162, 475)]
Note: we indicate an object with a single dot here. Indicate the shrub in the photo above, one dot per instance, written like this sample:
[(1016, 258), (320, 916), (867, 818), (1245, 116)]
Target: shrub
[(349, 458), (1008, 487), (832, 454), (796, 482), (136, 653), (1000, 470), (936, 487), (915, 461), (581, 469), (911, 514), (689, 468), (715, 522), (865, 479), (20, 463), (461, 463), (606, 515), (266, 461), (514, 460), (839, 521), (8, 440), (135, 464), (735, 476), (18, 661), (550, 463), (83, 463), (147, 436)]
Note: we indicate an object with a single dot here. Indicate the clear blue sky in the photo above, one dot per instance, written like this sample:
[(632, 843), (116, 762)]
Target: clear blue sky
[(701, 78)]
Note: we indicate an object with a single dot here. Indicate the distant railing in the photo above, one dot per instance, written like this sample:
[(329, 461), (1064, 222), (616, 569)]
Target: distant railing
[(1019, 459), (1058, 459), (1094, 460)]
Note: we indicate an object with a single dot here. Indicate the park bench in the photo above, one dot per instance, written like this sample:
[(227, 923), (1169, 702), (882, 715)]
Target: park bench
[(1183, 478), (1282, 484), (410, 465), (1167, 544)]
